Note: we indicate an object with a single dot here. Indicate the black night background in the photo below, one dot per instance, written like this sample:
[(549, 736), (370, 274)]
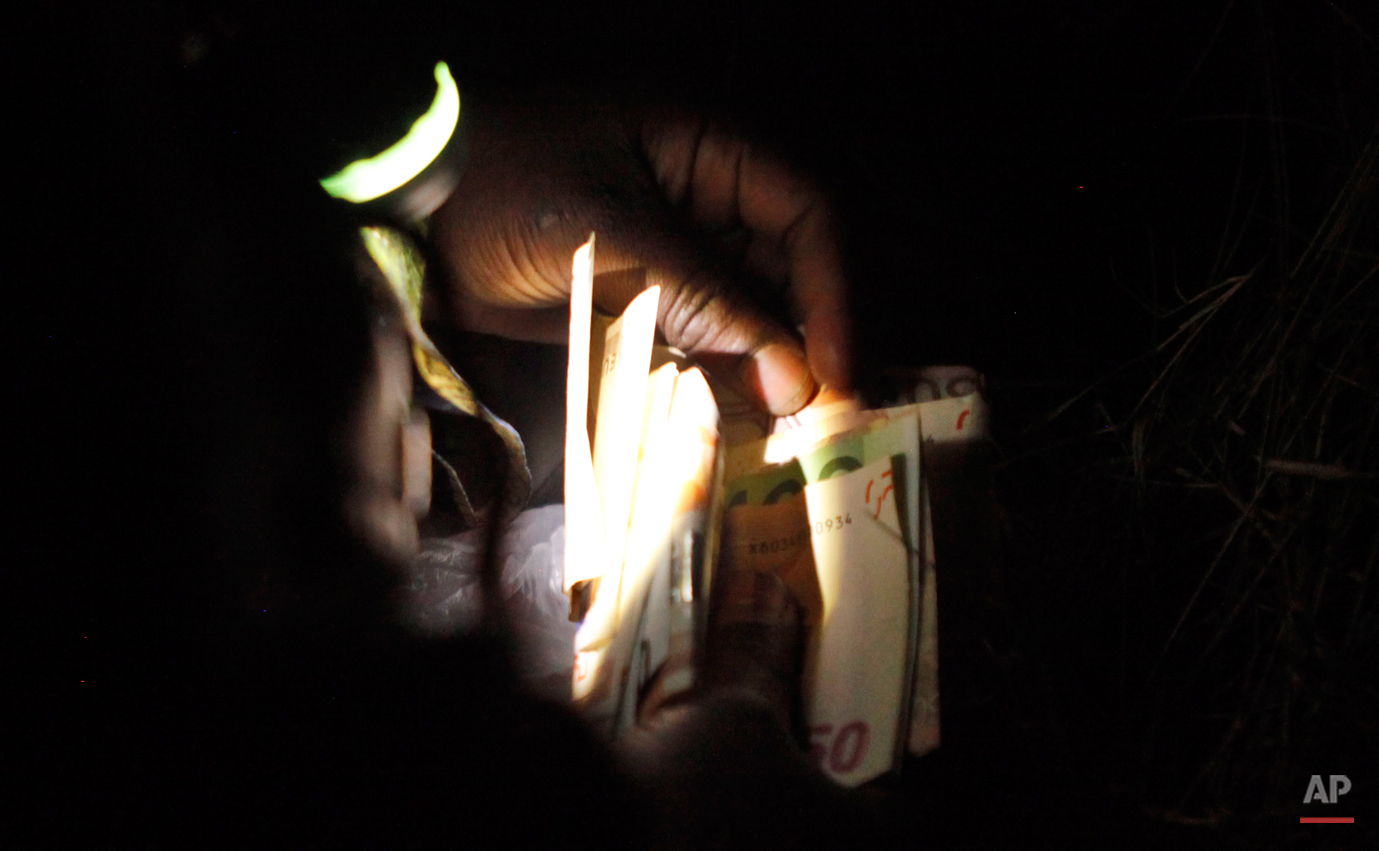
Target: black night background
[(1152, 226)]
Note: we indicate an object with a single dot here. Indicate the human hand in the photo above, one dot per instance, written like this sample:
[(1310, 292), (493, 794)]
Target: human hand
[(721, 761), (656, 188), (722, 765)]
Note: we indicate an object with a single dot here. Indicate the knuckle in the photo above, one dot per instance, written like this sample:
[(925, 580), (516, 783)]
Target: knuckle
[(695, 315)]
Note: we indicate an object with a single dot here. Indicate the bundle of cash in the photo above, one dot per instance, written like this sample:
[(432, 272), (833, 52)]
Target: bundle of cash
[(670, 479)]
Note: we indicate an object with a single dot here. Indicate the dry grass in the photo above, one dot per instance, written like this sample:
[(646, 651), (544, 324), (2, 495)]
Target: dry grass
[(1229, 512), (1275, 420)]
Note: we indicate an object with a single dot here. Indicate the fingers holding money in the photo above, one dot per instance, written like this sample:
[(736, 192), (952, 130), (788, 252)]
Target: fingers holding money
[(723, 181), (705, 313), (754, 651), (538, 182)]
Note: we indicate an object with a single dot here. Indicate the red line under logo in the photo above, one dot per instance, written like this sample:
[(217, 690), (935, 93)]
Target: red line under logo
[(1327, 820)]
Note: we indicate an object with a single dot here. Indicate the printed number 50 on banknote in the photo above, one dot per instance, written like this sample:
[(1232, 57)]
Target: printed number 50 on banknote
[(838, 544)]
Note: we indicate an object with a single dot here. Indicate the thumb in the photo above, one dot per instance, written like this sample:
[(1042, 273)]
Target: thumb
[(755, 642)]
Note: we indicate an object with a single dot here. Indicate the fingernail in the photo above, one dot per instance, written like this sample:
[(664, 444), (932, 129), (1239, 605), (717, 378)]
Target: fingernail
[(780, 376)]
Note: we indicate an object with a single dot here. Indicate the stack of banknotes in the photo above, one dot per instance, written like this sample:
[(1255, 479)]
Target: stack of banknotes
[(671, 479)]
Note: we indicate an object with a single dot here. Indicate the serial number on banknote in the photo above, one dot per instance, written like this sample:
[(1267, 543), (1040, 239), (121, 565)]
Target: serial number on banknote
[(778, 544), (818, 527), (832, 524)]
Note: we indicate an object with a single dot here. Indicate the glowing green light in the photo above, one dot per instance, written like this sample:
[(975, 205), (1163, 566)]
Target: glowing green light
[(365, 180)]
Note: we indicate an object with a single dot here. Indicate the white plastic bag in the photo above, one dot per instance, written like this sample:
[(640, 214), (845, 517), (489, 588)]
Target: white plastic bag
[(445, 597)]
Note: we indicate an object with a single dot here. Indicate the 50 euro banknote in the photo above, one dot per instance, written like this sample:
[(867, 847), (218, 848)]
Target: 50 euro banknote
[(840, 524)]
